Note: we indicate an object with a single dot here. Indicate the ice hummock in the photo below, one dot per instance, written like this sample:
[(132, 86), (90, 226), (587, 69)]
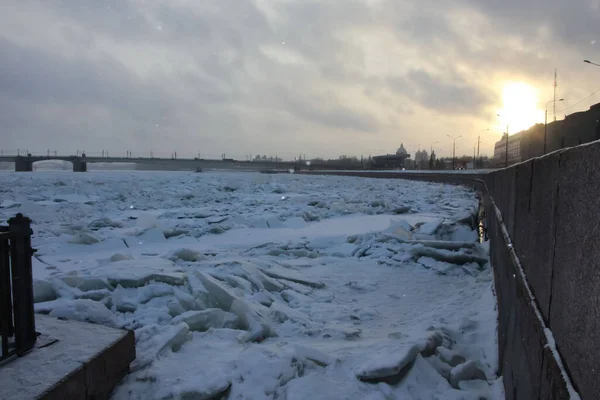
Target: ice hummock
[(347, 288)]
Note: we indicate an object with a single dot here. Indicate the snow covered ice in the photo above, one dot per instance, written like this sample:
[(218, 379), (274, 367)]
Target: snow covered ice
[(250, 286)]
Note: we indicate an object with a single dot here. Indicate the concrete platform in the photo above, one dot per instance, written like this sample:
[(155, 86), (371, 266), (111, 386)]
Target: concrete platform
[(71, 360)]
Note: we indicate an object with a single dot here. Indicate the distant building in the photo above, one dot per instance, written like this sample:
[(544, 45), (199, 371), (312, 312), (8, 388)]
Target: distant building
[(514, 150), (575, 129), (422, 159), (391, 161)]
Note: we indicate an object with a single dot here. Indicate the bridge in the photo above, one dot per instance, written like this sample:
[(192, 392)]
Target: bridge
[(24, 163)]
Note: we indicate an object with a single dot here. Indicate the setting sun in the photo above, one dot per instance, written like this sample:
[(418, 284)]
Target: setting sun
[(520, 107)]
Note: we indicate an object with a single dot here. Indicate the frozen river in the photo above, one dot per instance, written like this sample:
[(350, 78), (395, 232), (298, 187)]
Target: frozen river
[(249, 286)]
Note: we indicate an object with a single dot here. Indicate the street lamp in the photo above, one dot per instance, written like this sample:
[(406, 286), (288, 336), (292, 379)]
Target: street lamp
[(432, 166), (593, 63), (454, 148), (479, 140), (431, 146), (506, 155), (546, 122)]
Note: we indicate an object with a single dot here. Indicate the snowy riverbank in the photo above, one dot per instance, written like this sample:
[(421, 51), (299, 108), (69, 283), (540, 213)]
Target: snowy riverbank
[(269, 286)]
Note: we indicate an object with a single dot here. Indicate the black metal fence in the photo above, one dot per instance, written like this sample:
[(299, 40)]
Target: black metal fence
[(17, 319)]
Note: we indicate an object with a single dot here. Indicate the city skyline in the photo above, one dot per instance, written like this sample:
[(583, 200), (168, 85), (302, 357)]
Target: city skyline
[(287, 77)]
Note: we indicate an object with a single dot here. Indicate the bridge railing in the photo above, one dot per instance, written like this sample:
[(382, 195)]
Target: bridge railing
[(17, 319)]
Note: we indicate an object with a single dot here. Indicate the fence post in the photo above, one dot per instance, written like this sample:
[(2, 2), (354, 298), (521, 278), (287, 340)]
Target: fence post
[(6, 313), (22, 280)]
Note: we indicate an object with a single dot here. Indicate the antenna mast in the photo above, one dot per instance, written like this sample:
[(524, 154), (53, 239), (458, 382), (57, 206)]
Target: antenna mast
[(554, 102)]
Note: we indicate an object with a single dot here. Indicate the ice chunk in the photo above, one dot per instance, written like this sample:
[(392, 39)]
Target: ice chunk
[(452, 257), (205, 319), (259, 223), (428, 345), (465, 372), (146, 221), (96, 295), (251, 321), (83, 238), (401, 209), (260, 280), (43, 291), (263, 372), (422, 381), (86, 311), (464, 233), (138, 272), (263, 298), (202, 297), (386, 365), (441, 367), (345, 250), (399, 232), (221, 296), (184, 254), (174, 307), (324, 387), (9, 204), (72, 279), (468, 218), (169, 337), (293, 298), (445, 244), (317, 356), (75, 198), (47, 306), (180, 237), (450, 357), (395, 224), (115, 244), (88, 284), (295, 223), (154, 290), (212, 387), (429, 228), (104, 222), (217, 219), (186, 300), (120, 257), (274, 222), (440, 267), (149, 236), (275, 272)]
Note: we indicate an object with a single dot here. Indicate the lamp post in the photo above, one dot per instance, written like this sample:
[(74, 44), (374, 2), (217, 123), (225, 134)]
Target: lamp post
[(432, 166), (546, 122), (506, 140), (454, 148), (431, 146), (593, 63), (479, 139)]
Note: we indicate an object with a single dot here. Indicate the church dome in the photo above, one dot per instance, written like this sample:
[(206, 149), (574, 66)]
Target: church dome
[(401, 151)]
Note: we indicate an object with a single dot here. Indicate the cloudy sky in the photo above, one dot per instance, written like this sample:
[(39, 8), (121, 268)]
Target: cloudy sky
[(287, 77)]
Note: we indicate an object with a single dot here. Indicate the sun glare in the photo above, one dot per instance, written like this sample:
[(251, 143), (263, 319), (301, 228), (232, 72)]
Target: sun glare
[(520, 107)]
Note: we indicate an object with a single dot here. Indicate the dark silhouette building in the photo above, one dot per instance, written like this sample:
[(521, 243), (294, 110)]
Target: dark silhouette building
[(391, 161), (575, 129)]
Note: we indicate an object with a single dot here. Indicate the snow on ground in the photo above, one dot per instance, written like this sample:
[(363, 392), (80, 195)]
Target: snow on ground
[(250, 286)]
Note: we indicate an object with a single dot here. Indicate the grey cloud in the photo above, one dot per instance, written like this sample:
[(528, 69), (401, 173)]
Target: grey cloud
[(574, 23), (232, 90), (457, 97), (47, 78), (333, 116)]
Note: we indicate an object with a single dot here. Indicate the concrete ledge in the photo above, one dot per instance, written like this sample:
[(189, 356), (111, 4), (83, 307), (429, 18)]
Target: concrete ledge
[(73, 360)]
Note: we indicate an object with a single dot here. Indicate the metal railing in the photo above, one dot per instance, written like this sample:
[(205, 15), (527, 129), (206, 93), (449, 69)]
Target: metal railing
[(17, 319)]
